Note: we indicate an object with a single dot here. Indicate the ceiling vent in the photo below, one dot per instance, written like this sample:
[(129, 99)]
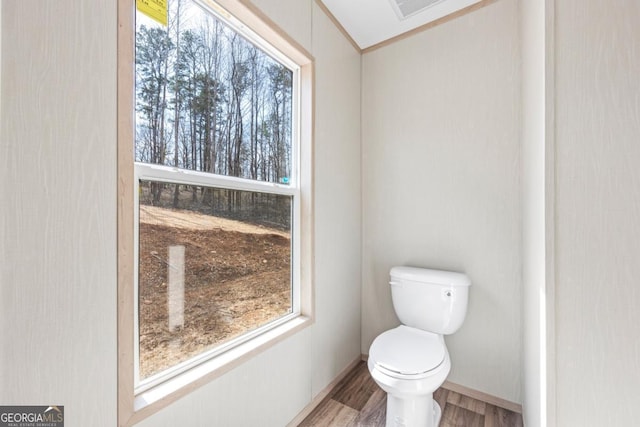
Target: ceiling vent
[(407, 8)]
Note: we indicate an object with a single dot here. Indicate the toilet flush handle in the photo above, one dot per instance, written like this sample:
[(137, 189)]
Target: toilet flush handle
[(392, 283)]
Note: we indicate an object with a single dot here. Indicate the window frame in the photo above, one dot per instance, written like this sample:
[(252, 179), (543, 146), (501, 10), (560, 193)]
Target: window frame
[(135, 405)]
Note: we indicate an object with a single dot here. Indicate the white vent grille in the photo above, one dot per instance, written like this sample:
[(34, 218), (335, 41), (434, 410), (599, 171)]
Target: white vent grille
[(407, 8)]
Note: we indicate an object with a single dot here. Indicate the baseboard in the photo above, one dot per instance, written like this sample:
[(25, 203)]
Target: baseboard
[(324, 393), (483, 397)]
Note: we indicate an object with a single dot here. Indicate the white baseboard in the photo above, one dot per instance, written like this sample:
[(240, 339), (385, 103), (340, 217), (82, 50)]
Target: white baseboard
[(324, 393)]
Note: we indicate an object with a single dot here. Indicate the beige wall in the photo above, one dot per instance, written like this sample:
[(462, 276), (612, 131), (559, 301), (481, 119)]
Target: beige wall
[(598, 212), (58, 223), (57, 214), (441, 159), (338, 202)]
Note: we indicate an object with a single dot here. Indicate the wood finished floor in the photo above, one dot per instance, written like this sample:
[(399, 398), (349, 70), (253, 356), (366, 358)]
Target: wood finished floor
[(357, 401)]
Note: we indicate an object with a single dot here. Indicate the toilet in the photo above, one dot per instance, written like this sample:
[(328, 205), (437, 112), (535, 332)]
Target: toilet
[(411, 361)]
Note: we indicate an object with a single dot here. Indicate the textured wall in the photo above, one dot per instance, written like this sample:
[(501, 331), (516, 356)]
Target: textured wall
[(338, 202), (58, 224), (441, 159), (598, 212), (58, 208)]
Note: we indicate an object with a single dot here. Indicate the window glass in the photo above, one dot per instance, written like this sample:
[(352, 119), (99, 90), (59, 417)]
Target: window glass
[(208, 272), (209, 100), (215, 257)]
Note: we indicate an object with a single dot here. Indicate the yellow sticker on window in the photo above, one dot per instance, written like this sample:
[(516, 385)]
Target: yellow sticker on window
[(154, 9)]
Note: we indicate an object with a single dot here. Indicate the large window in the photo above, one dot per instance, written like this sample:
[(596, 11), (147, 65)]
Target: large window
[(221, 194), (215, 252)]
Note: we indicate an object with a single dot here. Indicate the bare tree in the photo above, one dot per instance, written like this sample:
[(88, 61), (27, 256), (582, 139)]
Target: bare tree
[(153, 47)]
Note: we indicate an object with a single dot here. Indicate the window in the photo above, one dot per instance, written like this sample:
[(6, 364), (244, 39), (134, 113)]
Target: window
[(214, 166)]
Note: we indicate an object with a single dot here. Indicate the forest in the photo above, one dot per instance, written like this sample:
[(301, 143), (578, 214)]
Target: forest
[(209, 100)]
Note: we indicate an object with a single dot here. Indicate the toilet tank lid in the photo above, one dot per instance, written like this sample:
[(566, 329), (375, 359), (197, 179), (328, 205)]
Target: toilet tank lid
[(426, 275)]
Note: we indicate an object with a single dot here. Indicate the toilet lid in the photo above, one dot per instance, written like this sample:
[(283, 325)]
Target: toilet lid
[(407, 351)]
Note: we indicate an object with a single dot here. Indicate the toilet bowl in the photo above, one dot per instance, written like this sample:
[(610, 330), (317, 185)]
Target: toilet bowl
[(411, 361), (409, 365)]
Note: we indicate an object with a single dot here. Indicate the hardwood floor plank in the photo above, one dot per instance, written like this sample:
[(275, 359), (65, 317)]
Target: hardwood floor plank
[(330, 414), (374, 413), (356, 389), (466, 402), (454, 416), (499, 417)]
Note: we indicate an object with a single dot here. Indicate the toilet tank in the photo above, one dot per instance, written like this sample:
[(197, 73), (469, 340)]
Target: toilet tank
[(431, 300)]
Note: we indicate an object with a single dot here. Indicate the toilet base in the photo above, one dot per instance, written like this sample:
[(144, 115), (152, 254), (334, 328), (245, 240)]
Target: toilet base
[(437, 413), (420, 411)]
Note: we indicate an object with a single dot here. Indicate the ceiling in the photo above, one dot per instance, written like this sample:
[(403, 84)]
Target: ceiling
[(370, 22)]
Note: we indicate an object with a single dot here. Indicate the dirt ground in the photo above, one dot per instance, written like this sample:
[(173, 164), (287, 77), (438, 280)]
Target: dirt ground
[(236, 277)]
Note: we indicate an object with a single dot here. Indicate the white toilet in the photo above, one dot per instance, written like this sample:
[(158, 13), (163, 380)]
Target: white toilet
[(411, 361)]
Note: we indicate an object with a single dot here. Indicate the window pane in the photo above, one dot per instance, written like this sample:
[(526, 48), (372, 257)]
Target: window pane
[(213, 265), (209, 100)]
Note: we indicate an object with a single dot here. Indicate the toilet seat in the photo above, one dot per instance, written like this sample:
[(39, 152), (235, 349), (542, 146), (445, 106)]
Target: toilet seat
[(407, 353)]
